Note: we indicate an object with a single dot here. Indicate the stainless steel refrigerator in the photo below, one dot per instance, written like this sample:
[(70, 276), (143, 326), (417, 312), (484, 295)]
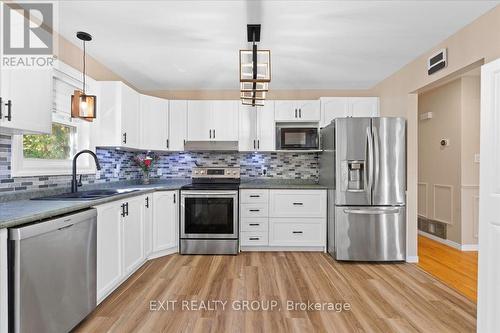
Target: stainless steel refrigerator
[(363, 163)]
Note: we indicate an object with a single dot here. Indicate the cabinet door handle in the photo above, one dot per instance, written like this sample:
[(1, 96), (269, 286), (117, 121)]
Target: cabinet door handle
[(124, 137), (123, 210), (297, 232), (297, 203), (295, 113), (147, 202), (210, 133), (254, 224), (253, 144), (214, 133), (1, 107), (9, 110), (255, 210), (300, 113), (254, 238), (126, 208), (168, 144), (258, 144), (254, 196), (174, 197)]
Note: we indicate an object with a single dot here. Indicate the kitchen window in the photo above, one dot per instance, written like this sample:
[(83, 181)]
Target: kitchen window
[(51, 154)]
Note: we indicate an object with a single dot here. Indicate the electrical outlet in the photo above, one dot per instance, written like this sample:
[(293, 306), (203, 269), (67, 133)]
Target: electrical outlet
[(116, 171), (477, 158)]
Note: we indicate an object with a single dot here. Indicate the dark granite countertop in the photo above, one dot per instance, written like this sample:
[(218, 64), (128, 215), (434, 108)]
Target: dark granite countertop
[(22, 211), (298, 184), (18, 212)]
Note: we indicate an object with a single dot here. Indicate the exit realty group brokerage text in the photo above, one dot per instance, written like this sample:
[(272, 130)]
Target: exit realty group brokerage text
[(246, 305)]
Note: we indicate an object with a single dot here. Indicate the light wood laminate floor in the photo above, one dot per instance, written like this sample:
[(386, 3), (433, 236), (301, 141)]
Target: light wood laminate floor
[(457, 269), (382, 297)]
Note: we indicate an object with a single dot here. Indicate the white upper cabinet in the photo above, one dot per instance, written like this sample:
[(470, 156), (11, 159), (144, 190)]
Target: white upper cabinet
[(297, 111), (212, 120), (225, 120), (154, 123), (334, 107), (177, 124), (118, 116), (248, 128), (340, 107), (256, 130), (365, 106), (199, 120), (26, 100)]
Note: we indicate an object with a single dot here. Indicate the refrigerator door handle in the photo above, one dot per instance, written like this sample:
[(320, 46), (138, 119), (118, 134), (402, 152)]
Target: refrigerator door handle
[(369, 161), (372, 211), (376, 155)]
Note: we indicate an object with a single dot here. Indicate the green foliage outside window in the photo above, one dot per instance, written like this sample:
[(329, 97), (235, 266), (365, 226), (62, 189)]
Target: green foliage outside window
[(55, 146)]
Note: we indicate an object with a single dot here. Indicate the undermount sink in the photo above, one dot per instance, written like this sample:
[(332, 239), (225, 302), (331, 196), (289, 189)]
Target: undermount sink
[(87, 195)]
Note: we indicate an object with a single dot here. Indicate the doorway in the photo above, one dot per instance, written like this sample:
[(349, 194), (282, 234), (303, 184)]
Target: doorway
[(448, 181)]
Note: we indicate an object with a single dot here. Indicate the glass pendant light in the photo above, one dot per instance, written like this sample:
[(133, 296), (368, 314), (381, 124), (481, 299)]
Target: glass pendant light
[(82, 105)]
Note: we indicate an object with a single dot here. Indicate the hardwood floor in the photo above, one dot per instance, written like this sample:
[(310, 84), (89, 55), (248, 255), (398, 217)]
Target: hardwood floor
[(382, 297), (457, 269)]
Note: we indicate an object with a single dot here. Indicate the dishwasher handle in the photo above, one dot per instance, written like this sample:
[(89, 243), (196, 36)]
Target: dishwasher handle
[(56, 224)]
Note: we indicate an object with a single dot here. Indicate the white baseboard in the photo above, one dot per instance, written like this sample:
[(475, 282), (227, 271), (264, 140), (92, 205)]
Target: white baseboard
[(282, 248), (163, 253), (455, 245), (470, 247), (412, 259)]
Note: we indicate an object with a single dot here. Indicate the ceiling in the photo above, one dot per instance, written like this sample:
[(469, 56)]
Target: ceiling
[(190, 45)]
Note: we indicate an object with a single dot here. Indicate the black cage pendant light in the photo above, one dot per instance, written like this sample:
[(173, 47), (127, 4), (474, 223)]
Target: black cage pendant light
[(255, 70), (82, 105)]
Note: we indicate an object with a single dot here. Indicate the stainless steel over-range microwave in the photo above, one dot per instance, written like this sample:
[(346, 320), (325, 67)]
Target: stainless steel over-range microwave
[(291, 137)]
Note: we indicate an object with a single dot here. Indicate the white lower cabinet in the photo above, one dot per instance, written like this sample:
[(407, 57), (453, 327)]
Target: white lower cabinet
[(109, 247), (297, 203), (148, 225), (133, 235), (296, 232), (165, 220), (283, 219)]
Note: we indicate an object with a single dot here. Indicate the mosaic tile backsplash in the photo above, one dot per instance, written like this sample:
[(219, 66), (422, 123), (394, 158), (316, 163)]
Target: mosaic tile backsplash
[(118, 165)]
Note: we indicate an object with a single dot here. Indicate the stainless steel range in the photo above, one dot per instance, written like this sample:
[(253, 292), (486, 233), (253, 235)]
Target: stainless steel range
[(209, 212)]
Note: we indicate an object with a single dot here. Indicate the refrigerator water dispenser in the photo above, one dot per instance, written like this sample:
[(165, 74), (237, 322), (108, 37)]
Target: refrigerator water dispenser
[(355, 175)]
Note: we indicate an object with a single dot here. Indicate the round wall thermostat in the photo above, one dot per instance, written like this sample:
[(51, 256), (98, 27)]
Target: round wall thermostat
[(444, 142)]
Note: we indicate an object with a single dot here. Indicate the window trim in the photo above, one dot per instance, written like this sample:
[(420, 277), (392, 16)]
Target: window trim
[(27, 167)]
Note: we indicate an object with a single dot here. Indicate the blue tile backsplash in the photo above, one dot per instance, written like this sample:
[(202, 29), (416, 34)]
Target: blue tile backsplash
[(118, 165)]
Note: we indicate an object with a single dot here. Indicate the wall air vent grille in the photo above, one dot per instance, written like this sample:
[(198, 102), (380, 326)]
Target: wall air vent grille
[(436, 62)]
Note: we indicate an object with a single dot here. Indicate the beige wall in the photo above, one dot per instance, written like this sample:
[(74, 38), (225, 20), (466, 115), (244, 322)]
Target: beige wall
[(479, 41), (471, 102), (439, 171)]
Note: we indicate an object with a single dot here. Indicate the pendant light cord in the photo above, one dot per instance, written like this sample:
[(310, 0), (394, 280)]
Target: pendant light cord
[(84, 67)]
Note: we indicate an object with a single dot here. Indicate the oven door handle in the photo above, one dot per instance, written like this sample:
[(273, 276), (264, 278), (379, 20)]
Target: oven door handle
[(212, 194)]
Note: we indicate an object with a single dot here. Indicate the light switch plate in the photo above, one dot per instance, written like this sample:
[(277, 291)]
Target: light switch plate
[(477, 158)]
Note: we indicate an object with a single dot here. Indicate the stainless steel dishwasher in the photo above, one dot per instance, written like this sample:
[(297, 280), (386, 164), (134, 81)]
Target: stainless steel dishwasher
[(53, 273)]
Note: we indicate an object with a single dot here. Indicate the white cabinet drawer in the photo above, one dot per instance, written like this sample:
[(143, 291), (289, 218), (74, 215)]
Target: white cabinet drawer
[(254, 210), (297, 203), (254, 196), (254, 224), (254, 238), (304, 233)]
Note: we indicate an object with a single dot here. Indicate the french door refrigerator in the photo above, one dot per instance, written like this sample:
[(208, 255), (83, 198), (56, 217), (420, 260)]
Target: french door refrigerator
[(364, 165)]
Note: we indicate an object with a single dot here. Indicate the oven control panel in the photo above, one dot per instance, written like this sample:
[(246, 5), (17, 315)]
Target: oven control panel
[(215, 173)]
